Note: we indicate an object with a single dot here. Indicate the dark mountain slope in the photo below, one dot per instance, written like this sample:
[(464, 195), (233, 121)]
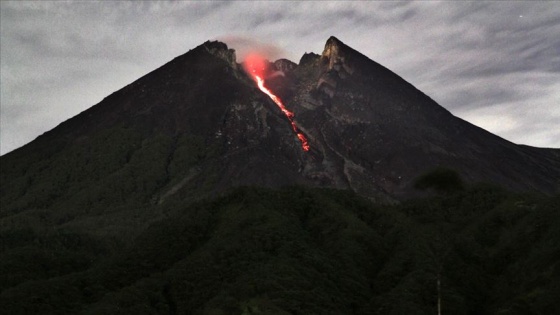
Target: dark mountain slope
[(197, 122), (380, 132)]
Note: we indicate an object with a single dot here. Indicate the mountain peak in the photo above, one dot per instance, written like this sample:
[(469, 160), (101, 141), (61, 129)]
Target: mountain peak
[(333, 41), (332, 51), (338, 56), (220, 50)]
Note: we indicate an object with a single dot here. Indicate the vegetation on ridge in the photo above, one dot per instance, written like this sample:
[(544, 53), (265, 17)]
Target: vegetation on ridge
[(298, 251)]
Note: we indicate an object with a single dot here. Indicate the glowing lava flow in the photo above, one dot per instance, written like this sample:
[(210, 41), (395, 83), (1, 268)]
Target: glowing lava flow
[(255, 65)]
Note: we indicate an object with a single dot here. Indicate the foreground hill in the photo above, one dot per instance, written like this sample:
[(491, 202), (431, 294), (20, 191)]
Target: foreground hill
[(298, 251)]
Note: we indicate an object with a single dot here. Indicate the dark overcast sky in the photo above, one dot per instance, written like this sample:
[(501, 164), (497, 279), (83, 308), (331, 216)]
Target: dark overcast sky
[(495, 64)]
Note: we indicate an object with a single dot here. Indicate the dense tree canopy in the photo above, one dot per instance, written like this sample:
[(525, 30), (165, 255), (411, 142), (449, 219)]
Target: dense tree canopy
[(296, 251)]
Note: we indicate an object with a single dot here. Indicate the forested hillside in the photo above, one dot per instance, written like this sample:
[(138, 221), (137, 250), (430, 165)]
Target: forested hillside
[(295, 251)]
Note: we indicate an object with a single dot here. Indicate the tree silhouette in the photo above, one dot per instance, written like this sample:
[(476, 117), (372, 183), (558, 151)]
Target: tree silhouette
[(445, 182), (442, 180)]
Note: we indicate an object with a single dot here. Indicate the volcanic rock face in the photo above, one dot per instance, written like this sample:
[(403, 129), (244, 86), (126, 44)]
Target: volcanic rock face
[(375, 133), (198, 126)]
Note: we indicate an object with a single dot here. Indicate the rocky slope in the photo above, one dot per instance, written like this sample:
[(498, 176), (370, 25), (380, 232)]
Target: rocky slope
[(198, 126), (373, 131)]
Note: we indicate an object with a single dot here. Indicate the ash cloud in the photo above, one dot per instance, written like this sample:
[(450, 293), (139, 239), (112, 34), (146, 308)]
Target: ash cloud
[(245, 45)]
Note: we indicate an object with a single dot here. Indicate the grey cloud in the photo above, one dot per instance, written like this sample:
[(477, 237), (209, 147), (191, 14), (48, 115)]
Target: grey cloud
[(476, 59)]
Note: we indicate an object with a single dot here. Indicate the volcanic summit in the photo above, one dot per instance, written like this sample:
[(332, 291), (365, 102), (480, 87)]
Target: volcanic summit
[(203, 125)]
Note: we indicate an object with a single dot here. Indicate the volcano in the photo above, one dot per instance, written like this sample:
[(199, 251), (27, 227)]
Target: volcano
[(201, 126), (124, 171)]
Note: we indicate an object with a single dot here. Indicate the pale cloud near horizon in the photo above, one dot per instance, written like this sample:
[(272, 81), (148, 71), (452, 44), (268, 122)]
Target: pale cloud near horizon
[(495, 64)]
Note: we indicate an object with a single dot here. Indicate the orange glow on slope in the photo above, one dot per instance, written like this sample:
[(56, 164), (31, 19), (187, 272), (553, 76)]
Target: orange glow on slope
[(255, 65)]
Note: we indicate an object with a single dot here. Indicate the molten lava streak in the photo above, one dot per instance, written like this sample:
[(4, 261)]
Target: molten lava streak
[(255, 65)]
